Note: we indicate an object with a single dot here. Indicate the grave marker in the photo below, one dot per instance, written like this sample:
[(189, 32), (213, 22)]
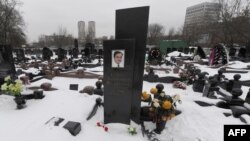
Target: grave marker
[(118, 81), (123, 80), (133, 24)]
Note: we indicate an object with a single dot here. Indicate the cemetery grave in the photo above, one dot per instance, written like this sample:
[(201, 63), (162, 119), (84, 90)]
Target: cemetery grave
[(118, 95)]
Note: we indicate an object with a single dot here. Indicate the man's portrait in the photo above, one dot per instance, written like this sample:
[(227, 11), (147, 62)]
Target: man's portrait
[(118, 58)]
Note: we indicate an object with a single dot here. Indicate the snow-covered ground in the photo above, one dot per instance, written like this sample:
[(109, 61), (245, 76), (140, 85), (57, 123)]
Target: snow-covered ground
[(195, 123), (177, 53)]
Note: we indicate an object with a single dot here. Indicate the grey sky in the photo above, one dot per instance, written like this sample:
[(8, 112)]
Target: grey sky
[(45, 16)]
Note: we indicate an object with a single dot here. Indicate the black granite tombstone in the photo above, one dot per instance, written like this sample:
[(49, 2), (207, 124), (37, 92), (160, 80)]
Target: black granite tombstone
[(151, 77), (201, 52), (186, 50), (133, 24), (199, 83), (247, 99), (220, 77), (86, 52), (75, 52), (118, 81), (90, 46), (100, 52), (47, 53), (248, 50), (98, 90), (6, 62), (61, 54), (236, 100), (232, 52), (73, 87), (210, 88), (235, 83), (242, 53), (20, 55), (76, 43), (73, 127)]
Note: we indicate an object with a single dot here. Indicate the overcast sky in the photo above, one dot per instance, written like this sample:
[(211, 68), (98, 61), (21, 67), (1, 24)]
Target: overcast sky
[(45, 16)]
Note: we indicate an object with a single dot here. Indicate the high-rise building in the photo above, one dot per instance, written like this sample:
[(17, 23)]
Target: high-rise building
[(91, 30), (202, 13), (197, 17), (81, 32)]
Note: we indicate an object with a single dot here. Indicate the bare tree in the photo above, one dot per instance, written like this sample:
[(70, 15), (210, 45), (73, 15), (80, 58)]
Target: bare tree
[(171, 33), (234, 22), (155, 33), (193, 32), (62, 37), (12, 24), (59, 39)]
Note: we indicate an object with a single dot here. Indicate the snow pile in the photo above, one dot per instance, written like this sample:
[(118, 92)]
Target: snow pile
[(177, 53), (34, 71), (238, 64)]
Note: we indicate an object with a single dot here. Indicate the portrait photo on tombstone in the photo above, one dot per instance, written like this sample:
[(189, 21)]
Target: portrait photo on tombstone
[(118, 58)]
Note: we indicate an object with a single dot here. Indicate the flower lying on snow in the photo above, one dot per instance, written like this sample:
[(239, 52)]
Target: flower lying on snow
[(132, 130)]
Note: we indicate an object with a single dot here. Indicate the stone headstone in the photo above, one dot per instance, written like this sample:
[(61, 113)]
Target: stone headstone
[(61, 54), (247, 99), (151, 77), (100, 52), (199, 84), (76, 43), (46, 86), (88, 89), (73, 127), (232, 51), (235, 100), (210, 88), (6, 62), (98, 90), (73, 87), (47, 53), (118, 81), (235, 83), (91, 47), (133, 24), (75, 53), (20, 55), (242, 53), (86, 52), (25, 80), (200, 52)]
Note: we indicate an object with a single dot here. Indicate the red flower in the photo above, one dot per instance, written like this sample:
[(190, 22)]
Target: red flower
[(106, 129), (98, 124)]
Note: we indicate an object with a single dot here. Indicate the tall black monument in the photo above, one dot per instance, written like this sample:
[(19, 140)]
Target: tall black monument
[(131, 23)]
